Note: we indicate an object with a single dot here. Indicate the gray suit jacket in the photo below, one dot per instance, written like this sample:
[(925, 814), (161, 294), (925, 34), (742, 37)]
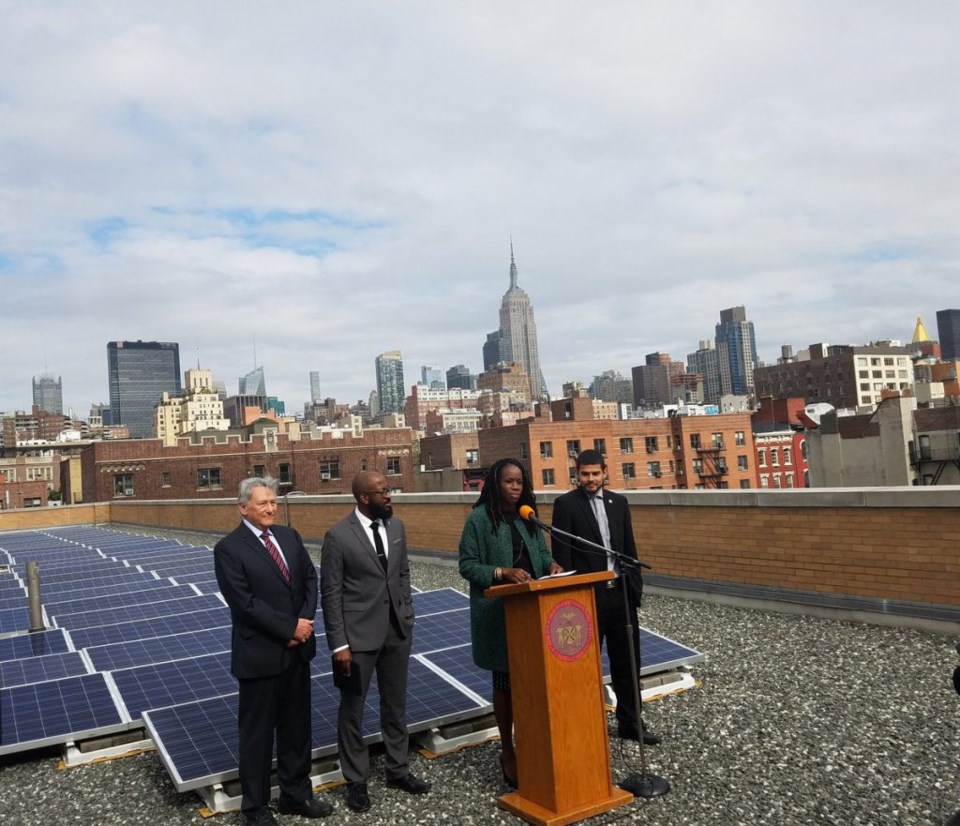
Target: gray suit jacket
[(356, 594)]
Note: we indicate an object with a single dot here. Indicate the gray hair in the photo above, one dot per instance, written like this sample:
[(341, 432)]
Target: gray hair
[(247, 486)]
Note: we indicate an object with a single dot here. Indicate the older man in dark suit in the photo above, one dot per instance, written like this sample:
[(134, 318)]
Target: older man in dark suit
[(602, 517), (368, 616), (270, 584)]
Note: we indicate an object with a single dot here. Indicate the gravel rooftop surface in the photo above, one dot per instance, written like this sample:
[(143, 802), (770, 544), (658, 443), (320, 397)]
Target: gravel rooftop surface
[(796, 720)]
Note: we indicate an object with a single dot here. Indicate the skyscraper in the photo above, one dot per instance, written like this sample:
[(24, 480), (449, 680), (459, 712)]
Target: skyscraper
[(459, 377), (705, 362), (948, 331), (48, 392), (519, 331), (390, 391), (736, 352), (252, 384), (139, 373), (432, 377), (315, 397)]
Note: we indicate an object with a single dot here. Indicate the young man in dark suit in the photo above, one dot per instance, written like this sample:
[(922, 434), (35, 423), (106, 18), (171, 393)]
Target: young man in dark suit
[(603, 517), (368, 616), (270, 584)]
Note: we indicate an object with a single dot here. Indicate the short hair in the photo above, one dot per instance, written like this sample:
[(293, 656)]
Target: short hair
[(590, 457), (247, 486)]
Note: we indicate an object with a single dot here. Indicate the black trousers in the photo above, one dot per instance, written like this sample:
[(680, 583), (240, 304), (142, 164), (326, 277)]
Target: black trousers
[(277, 709), (611, 622)]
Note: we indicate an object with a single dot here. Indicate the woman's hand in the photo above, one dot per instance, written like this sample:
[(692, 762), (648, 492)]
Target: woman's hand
[(517, 575), (555, 568)]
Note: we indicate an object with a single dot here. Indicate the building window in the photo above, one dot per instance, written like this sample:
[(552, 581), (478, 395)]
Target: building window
[(717, 440), (626, 445), (789, 480), (548, 477), (573, 448), (745, 483), (285, 478), (473, 455), (775, 456), (739, 438), (524, 453), (546, 450), (650, 442), (742, 463), (787, 456), (628, 470), (695, 441), (653, 469), (723, 485), (329, 470), (698, 467), (259, 470), (669, 442), (393, 466), (208, 478), (776, 480), (764, 480), (762, 457), (164, 480), (600, 445), (9, 474), (123, 484)]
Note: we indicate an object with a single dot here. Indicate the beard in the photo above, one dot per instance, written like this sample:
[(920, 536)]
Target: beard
[(378, 511)]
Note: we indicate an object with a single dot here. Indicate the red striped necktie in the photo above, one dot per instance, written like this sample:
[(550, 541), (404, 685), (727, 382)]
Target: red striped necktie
[(275, 553)]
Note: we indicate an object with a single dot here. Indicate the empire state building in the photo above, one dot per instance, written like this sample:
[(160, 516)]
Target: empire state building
[(518, 333)]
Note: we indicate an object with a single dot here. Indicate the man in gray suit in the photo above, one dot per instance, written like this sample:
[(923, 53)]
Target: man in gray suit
[(368, 617)]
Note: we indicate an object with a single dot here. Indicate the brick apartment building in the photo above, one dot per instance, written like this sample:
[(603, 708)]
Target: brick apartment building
[(680, 452), (212, 466)]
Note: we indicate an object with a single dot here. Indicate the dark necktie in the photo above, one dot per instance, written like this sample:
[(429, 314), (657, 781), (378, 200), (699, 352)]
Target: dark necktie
[(378, 544), (275, 553)]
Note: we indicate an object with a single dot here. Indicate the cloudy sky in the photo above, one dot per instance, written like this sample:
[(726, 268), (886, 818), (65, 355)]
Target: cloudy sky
[(333, 180)]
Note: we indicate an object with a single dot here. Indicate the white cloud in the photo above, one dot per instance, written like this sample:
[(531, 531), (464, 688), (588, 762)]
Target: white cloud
[(339, 180)]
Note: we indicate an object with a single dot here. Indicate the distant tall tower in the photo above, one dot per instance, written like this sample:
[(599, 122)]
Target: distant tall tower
[(736, 352), (48, 392), (519, 331), (390, 391), (252, 384), (706, 363), (948, 331), (139, 373), (432, 377), (315, 387)]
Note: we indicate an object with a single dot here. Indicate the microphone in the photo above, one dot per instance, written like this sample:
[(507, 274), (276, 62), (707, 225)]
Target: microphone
[(528, 514)]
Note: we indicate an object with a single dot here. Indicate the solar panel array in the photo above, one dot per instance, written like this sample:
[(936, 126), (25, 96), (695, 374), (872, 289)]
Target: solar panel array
[(139, 635)]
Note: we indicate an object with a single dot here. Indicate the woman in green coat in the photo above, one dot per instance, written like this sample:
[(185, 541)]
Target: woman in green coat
[(497, 547)]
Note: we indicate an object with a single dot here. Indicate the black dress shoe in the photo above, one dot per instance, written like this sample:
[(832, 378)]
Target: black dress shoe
[(410, 784), (261, 817), (311, 807), (357, 797), (628, 731)]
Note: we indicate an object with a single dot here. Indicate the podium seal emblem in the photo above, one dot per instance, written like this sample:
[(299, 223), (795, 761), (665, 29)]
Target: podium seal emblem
[(569, 630)]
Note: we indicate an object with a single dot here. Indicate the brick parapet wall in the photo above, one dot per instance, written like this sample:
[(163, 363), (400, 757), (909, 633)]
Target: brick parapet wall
[(895, 544)]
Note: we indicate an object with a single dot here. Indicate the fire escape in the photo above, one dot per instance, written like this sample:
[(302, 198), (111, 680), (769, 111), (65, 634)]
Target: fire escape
[(930, 462), (712, 463)]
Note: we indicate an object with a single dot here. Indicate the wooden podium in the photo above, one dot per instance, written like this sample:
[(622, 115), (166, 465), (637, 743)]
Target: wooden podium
[(560, 726)]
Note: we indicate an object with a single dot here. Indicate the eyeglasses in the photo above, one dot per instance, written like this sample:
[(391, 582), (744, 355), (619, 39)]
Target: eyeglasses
[(379, 492)]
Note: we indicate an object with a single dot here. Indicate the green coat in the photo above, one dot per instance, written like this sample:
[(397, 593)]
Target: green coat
[(481, 553)]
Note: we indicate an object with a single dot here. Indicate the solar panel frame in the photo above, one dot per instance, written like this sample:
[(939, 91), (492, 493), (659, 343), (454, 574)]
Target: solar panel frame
[(159, 627), (156, 650), (43, 668), (52, 641), (137, 612)]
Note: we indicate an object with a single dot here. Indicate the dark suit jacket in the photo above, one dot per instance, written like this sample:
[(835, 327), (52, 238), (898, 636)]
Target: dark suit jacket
[(356, 594), (573, 513), (264, 608)]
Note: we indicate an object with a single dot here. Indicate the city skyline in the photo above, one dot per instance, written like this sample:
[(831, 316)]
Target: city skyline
[(654, 165)]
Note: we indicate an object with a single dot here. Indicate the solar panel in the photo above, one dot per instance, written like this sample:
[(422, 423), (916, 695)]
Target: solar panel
[(161, 591), (144, 583), (14, 619), (45, 667), (159, 649), (197, 741), (659, 653), (14, 602), (178, 681), (159, 627), (458, 663), (436, 631), (57, 711), (138, 611), (33, 645), (443, 599)]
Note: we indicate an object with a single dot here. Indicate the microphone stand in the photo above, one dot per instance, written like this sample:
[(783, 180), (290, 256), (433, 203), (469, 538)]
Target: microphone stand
[(643, 785)]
